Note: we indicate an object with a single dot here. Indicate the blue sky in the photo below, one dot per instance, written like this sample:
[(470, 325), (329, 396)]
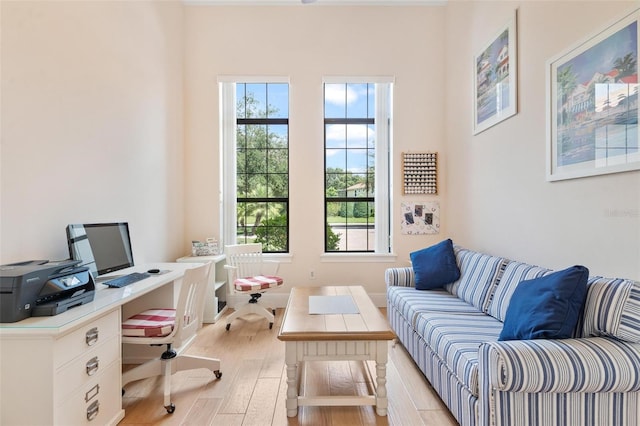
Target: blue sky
[(349, 101), (341, 100), (601, 57)]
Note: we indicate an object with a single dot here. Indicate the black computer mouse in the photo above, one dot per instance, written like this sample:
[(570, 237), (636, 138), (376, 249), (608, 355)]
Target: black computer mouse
[(154, 271)]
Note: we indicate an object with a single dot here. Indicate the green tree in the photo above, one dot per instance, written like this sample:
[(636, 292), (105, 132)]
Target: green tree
[(261, 163), (566, 80), (626, 66), (360, 209), (333, 239), (272, 233)]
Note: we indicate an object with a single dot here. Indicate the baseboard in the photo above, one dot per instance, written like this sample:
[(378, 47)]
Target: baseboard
[(279, 300)]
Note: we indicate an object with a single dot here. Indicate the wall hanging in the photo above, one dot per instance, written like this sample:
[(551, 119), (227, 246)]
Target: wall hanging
[(420, 218), (495, 79), (420, 172), (592, 113)]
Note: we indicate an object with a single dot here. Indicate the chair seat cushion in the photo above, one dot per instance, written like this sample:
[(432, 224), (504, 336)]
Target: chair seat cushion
[(257, 283), (150, 323)]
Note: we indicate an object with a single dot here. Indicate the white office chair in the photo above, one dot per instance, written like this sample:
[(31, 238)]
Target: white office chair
[(171, 327), (249, 273)]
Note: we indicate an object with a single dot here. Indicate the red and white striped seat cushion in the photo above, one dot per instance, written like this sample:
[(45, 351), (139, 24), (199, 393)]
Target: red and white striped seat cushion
[(150, 323), (257, 283)]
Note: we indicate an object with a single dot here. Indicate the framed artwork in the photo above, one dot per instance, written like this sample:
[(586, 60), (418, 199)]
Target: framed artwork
[(420, 218), (592, 117), (420, 172), (495, 79)]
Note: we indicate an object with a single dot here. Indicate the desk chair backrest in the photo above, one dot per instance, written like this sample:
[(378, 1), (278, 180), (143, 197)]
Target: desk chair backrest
[(190, 307), (246, 260)]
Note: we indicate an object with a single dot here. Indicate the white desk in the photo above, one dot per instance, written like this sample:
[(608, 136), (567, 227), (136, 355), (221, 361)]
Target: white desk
[(66, 369)]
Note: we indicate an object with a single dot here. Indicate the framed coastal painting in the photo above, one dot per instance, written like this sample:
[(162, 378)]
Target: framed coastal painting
[(592, 118), (495, 79)]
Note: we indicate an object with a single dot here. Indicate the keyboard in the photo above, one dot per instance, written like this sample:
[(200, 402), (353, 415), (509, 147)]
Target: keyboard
[(125, 280)]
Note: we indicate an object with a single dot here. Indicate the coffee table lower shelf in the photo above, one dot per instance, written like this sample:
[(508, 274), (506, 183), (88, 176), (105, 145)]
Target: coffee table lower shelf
[(298, 352)]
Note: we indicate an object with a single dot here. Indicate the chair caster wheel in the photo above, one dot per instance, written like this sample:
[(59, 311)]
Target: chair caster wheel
[(228, 327), (170, 408), (273, 311), (270, 325), (218, 374), (122, 391)]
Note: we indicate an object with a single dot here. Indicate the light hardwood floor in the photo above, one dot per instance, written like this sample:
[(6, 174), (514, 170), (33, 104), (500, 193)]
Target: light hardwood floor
[(252, 390)]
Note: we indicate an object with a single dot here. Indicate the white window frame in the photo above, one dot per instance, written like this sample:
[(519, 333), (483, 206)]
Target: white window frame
[(383, 173), (228, 179)]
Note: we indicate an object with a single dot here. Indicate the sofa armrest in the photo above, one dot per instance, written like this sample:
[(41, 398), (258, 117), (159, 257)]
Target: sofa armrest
[(399, 277), (589, 365)]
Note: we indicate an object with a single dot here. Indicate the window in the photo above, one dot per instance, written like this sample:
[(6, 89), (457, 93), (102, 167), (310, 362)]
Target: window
[(255, 133), (357, 120)]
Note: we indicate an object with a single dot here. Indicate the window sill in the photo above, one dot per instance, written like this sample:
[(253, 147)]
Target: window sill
[(279, 257), (358, 257)]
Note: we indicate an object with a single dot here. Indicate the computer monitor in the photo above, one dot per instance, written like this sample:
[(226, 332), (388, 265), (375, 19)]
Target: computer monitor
[(103, 247)]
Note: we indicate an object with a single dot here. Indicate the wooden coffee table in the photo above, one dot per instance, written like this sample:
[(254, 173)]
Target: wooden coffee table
[(335, 336)]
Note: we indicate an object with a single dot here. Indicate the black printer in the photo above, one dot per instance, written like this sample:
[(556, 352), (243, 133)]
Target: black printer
[(43, 288)]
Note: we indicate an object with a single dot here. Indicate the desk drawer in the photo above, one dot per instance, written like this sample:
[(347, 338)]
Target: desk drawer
[(89, 335), (91, 363), (98, 402)]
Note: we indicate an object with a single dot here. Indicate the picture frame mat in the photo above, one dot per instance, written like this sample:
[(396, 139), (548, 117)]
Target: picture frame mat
[(591, 168), (512, 109)]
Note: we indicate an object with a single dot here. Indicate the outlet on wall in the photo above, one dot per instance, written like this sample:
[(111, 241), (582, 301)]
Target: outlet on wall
[(312, 274)]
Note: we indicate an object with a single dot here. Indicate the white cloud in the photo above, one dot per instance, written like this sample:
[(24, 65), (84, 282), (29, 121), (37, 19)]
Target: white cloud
[(335, 132), (334, 93)]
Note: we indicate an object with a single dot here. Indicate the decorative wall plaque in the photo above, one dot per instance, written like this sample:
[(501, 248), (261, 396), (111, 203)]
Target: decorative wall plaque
[(420, 217), (420, 172)]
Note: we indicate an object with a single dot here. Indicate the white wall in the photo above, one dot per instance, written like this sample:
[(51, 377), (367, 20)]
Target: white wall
[(307, 43), (497, 195), (92, 124)]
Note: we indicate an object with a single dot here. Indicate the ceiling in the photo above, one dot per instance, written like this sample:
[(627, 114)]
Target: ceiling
[(316, 2)]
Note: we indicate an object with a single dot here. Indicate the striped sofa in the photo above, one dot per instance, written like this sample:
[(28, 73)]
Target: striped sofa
[(452, 335)]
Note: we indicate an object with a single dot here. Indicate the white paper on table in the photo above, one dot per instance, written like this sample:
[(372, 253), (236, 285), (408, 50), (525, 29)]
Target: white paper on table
[(326, 305)]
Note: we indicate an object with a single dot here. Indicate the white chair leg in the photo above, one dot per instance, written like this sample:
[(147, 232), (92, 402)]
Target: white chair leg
[(148, 369), (192, 362), (251, 308), (167, 385)]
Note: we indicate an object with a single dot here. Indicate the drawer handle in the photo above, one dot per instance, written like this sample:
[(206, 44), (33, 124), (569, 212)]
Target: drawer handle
[(92, 411), (92, 336), (91, 393), (92, 366)]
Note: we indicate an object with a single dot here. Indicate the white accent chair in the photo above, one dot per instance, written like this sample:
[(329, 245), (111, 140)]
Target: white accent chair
[(171, 327), (249, 273)]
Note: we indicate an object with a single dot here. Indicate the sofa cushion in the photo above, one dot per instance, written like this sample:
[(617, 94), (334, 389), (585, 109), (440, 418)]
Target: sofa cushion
[(455, 339), (435, 266), (547, 307), (514, 273), (410, 302), (478, 277), (612, 309)]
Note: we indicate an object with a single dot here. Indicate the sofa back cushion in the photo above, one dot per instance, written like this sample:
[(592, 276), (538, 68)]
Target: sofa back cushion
[(612, 309), (478, 274), (514, 273)]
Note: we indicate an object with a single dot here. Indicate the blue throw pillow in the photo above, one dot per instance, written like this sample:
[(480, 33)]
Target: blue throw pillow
[(547, 307), (435, 266)]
